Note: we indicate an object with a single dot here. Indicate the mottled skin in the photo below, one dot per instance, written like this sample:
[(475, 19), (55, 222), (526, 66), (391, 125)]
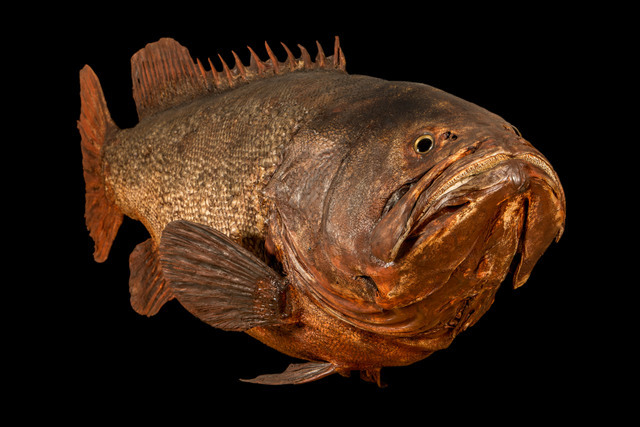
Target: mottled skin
[(386, 253), (208, 161)]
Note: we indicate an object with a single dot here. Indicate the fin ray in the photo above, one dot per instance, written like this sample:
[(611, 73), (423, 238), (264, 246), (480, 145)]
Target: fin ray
[(164, 75)]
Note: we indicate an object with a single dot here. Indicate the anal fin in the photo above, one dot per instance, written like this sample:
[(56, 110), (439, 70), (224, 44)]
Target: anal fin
[(296, 373), (148, 289), (219, 281)]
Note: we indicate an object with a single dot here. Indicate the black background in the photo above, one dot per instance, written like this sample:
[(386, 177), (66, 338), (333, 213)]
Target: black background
[(539, 351)]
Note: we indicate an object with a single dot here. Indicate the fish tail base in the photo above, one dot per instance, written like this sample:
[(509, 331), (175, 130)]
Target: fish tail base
[(102, 216)]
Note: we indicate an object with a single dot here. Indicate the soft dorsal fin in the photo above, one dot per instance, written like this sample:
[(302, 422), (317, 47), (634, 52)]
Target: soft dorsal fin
[(164, 74)]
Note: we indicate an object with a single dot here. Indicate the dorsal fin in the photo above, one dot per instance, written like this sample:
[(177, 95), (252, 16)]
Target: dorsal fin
[(164, 74)]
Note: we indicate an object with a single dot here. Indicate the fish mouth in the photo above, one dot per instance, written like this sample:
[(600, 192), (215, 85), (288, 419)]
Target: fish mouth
[(451, 188), (450, 194)]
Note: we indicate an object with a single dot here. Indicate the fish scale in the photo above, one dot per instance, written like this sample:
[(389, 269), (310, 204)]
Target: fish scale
[(217, 143)]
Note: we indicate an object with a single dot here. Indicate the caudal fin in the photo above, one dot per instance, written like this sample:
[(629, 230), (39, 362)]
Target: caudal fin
[(103, 218)]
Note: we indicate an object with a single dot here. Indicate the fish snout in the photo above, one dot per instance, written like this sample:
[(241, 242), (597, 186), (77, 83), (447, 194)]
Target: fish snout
[(517, 176), (516, 173)]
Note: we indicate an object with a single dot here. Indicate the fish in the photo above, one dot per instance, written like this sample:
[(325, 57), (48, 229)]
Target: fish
[(350, 222)]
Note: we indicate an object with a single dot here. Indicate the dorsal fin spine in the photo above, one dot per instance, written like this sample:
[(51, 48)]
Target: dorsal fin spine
[(290, 59), (306, 58), (339, 60), (320, 58), (214, 74), (239, 66), (165, 75), (274, 61), (227, 71), (203, 73), (256, 63)]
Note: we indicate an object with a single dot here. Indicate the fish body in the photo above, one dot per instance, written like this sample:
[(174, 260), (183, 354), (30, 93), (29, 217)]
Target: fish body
[(346, 220)]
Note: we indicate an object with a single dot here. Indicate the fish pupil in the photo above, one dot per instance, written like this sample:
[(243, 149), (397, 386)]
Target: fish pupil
[(424, 146)]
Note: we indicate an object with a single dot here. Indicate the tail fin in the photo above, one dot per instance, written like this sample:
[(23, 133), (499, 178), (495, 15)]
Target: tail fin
[(103, 218)]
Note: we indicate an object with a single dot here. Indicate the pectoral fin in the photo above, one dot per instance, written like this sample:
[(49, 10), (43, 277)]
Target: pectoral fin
[(296, 373), (219, 281)]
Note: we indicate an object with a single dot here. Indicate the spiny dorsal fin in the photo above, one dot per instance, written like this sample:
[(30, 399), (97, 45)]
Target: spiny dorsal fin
[(165, 75)]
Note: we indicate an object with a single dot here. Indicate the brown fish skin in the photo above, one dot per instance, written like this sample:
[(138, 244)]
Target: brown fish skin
[(416, 304), (295, 202)]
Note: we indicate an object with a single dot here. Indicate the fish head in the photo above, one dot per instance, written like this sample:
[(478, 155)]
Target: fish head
[(405, 207)]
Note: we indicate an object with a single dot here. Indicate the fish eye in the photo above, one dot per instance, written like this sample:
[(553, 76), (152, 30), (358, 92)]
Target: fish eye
[(423, 144)]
